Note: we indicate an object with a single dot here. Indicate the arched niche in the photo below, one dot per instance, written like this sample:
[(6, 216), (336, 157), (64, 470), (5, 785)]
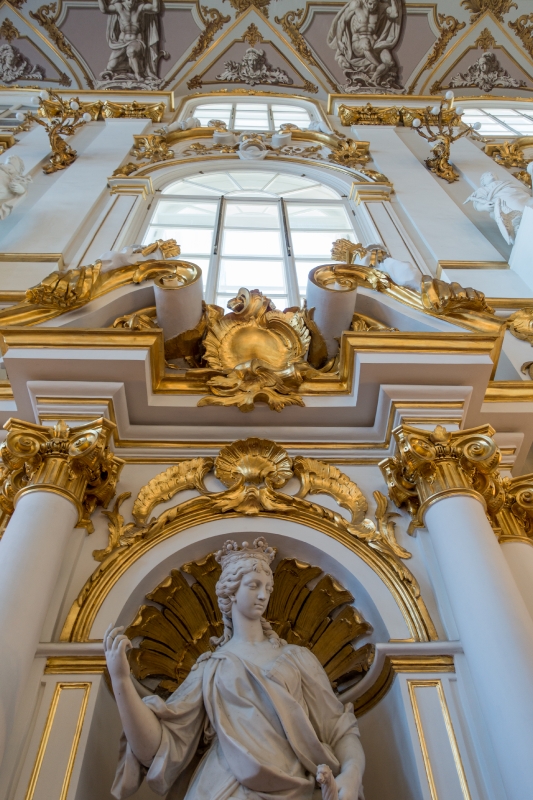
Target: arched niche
[(393, 606)]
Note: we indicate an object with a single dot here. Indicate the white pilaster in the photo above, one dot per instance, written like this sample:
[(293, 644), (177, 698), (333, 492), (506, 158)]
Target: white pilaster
[(519, 557)]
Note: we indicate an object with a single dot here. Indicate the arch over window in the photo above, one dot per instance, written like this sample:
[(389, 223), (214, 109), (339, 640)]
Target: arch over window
[(260, 229)]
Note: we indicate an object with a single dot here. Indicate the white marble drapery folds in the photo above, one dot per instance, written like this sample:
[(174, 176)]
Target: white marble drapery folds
[(268, 726)]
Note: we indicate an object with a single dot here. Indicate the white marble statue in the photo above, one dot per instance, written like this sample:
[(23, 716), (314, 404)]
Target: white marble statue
[(363, 35), (253, 69), (269, 720), (133, 34), (13, 185), (504, 201), (486, 74)]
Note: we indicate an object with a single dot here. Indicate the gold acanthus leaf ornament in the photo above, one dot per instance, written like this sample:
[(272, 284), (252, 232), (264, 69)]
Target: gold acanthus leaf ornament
[(523, 28), (521, 324), (185, 475), (319, 478), (495, 7), (177, 630)]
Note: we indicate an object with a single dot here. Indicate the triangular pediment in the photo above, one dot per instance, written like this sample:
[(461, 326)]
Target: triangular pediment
[(484, 60)]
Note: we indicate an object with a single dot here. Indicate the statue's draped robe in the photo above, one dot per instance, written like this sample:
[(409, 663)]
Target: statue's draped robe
[(269, 728), (149, 37)]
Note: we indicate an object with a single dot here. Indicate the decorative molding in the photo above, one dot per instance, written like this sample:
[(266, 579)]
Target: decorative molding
[(254, 471), (435, 464), (241, 6), (213, 21), (291, 23), (47, 16), (521, 324), (152, 111), (514, 520), (402, 116), (495, 7), (448, 28), (511, 155), (523, 28), (75, 463)]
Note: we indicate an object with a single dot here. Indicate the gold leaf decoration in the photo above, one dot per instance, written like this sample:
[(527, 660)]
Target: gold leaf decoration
[(213, 21), (177, 631), (523, 28), (291, 23), (47, 17), (242, 5), (386, 526), (448, 28), (319, 478), (119, 534), (252, 35), (8, 30), (185, 475), (496, 7), (521, 324)]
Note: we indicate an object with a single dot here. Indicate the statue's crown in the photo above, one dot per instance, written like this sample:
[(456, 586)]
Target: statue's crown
[(232, 552)]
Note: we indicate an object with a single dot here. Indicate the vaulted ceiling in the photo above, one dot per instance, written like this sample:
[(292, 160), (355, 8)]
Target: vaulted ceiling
[(477, 47)]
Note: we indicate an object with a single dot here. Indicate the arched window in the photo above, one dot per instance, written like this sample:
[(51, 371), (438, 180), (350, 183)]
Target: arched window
[(263, 230)]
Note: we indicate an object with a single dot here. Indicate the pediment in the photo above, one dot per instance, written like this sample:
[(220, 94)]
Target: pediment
[(28, 59), (484, 59), (231, 62)]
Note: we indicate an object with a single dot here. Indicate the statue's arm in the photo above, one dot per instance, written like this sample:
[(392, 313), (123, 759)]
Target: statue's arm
[(392, 10), (106, 8), (349, 752), (152, 7), (141, 726)]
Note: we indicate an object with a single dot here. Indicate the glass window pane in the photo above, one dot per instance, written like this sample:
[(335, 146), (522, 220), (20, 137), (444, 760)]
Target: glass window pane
[(246, 243), (317, 192), (264, 275), (253, 116), (171, 212), (284, 182), (256, 181), (191, 189), (317, 217), (190, 240), (252, 215), (220, 181), (293, 114), (208, 111), (317, 243)]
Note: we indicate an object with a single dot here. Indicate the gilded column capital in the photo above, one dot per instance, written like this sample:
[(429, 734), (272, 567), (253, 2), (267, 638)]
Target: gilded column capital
[(430, 465), (76, 463), (514, 520)]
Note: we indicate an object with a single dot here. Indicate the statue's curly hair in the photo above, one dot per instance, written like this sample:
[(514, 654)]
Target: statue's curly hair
[(227, 585)]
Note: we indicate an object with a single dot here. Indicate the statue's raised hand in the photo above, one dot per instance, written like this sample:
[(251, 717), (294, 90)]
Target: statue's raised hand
[(115, 648), (326, 781)]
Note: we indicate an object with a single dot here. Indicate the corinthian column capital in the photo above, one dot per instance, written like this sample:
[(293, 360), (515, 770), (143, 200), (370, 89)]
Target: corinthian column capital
[(75, 463), (430, 465), (514, 520)]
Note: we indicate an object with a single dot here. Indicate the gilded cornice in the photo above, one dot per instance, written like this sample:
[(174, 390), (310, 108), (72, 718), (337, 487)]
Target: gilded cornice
[(254, 472), (514, 520)]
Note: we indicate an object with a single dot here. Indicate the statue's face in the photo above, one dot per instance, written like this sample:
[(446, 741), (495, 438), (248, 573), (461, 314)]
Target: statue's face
[(251, 598), (372, 5)]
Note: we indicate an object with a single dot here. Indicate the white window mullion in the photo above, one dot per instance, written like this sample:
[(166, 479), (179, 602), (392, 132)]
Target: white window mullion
[(214, 260), (288, 252)]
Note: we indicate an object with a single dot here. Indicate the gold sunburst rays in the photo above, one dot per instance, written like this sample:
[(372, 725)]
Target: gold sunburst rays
[(176, 631)]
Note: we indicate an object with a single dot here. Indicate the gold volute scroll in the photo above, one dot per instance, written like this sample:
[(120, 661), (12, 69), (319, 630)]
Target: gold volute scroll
[(514, 520), (433, 464), (76, 463), (178, 630)]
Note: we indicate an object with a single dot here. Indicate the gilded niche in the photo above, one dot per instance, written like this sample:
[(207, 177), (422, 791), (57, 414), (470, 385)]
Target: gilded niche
[(177, 630)]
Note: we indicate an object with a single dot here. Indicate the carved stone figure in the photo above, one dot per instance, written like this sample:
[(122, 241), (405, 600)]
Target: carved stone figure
[(134, 36), (13, 185), (262, 710), (504, 201), (253, 69), (486, 74), (364, 34), (14, 66)]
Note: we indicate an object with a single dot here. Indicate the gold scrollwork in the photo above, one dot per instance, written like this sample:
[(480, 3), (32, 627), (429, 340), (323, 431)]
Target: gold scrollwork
[(152, 146), (213, 21), (521, 324), (75, 462), (523, 28), (174, 637), (438, 130), (59, 118), (495, 7), (47, 17), (291, 22), (448, 28), (514, 520), (511, 155), (431, 464), (134, 110), (447, 298), (402, 116), (254, 471)]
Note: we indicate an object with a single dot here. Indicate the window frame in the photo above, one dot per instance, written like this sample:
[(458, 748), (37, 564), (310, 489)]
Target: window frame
[(211, 290)]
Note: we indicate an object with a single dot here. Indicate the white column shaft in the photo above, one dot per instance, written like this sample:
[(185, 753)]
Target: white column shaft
[(31, 552), (496, 631), (519, 557)]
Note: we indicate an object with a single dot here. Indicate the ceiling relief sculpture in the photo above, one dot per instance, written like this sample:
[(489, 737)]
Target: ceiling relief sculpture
[(362, 46)]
